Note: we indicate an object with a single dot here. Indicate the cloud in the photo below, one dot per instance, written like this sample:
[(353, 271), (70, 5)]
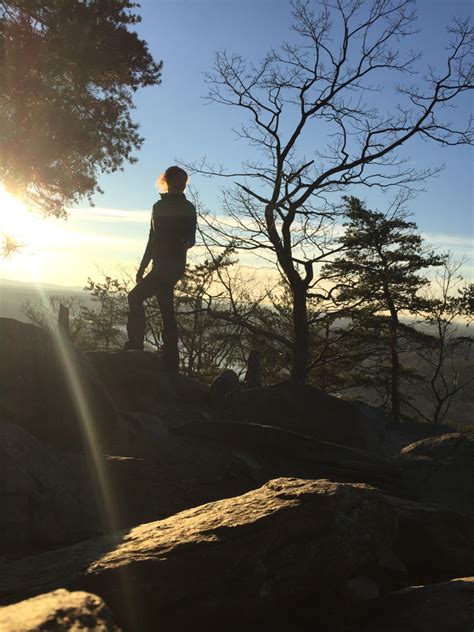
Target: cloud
[(73, 240), (98, 214), (458, 242)]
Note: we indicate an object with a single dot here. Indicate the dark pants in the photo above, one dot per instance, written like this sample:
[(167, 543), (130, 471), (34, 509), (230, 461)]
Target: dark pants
[(154, 284)]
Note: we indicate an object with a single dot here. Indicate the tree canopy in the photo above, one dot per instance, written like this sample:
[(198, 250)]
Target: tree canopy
[(68, 72)]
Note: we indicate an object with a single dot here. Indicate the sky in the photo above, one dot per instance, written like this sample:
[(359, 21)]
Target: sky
[(178, 124)]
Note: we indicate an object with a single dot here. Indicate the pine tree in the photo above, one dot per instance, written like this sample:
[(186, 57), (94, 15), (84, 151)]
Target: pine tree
[(379, 276), (68, 70)]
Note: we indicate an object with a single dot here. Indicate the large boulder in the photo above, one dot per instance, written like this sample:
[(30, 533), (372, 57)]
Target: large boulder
[(434, 543), (260, 558), (443, 607), (441, 470), (49, 388), (307, 410), (47, 496), (61, 611), (137, 381), (399, 435)]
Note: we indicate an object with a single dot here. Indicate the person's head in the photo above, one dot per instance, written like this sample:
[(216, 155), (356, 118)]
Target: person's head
[(173, 180)]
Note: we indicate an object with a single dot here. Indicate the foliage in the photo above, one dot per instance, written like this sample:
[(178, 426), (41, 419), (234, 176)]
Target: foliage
[(208, 344), (107, 318), (68, 72)]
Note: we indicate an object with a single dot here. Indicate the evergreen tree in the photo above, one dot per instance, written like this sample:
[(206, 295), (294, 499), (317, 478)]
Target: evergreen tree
[(379, 276), (68, 69), (106, 320)]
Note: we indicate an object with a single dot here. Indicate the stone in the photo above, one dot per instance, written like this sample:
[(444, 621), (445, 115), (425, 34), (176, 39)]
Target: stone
[(137, 381), (61, 611), (361, 588), (253, 376), (226, 382), (48, 388), (441, 470), (398, 435), (433, 543), (240, 561), (441, 607), (309, 411)]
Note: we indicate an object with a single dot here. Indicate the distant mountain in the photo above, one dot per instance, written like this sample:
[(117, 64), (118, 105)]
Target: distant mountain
[(13, 294)]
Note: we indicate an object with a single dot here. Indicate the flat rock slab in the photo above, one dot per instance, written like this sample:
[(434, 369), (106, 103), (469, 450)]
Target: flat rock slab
[(253, 558), (61, 611), (443, 607), (137, 381), (309, 411), (286, 448)]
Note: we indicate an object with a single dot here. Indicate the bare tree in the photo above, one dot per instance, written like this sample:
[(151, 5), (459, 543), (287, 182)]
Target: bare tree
[(445, 350), (320, 92)]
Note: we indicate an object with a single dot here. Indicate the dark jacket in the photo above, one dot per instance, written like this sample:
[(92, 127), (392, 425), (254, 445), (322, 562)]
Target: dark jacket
[(172, 232)]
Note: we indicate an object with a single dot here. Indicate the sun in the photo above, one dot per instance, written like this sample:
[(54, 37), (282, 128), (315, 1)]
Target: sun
[(22, 226)]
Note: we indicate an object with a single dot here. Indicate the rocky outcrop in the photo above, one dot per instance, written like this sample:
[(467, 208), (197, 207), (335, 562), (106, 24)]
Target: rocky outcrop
[(137, 381), (307, 410), (260, 557), (44, 499), (61, 611), (441, 470), (443, 607), (49, 388), (50, 497)]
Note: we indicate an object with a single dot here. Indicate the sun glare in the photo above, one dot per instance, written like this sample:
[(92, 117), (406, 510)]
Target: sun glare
[(16, 221), (27, 240)]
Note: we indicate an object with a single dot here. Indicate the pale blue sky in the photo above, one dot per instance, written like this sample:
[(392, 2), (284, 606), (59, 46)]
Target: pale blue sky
[(176, 123)]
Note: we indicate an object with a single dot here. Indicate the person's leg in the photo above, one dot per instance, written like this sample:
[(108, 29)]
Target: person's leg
[(136, 315), (164, 295)]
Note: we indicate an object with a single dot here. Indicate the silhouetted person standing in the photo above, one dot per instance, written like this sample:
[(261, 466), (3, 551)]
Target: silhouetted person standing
[(172, 232)]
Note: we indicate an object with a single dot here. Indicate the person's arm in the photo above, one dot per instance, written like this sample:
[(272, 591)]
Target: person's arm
[(190, 228), (148, 255)]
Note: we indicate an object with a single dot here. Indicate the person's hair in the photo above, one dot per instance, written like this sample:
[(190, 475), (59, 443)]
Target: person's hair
[(173, 177)]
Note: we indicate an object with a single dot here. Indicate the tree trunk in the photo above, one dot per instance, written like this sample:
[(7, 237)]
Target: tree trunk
[(299, 368), (395, 377), (395, 381), (63, 321)]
